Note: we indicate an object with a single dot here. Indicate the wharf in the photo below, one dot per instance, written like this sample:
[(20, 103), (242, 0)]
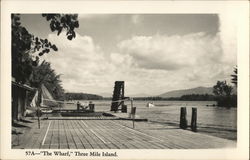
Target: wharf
[(110, 133), (125, 116)]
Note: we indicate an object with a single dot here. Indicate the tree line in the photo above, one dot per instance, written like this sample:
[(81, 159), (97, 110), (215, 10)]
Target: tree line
[(188, 97), (82, 96)]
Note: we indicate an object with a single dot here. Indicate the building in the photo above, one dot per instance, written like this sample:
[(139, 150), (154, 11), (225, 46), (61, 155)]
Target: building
[(19, 99)]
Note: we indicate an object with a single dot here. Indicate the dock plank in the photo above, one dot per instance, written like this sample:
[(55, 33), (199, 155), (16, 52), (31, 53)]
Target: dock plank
[(99, 133), (54, 144), (47, 138), (110, 141), (107, 140), (84, 136), (90, 136), (74, 133), (33, 137), (114, 135), (129, 137), (63, 141), (39, 139)]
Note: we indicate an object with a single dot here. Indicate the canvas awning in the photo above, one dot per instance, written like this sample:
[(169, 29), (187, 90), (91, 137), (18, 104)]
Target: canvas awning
[(23, 86)]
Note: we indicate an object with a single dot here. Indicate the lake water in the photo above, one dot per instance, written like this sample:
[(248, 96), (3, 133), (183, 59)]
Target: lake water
[(211, 120)]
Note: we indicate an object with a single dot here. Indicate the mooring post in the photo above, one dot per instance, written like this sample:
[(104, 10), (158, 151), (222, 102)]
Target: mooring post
[(194, 120), (133, 115), (131, 99), (124, 108), (133, 110), (130, 115), (78, 105), (133, 121), (38, 112), (39, 122), (183, 118), (92, 107)]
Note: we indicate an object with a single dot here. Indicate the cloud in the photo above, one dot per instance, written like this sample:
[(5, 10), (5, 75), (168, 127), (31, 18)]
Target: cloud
[(168, 62), (228, 35), (148, 64), (172, 52), (81, 62)]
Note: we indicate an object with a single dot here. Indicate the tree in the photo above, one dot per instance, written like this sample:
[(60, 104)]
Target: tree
[(234, 76), (24, 44), (224, 98), (222, 89), (44, 74)]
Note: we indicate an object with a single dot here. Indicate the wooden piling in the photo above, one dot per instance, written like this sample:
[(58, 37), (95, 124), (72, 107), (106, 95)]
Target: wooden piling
[(131, 100), (194, 120), (124, 108), (39, 114), (183, 118), (78, 106), (92, 107), (133, 115)]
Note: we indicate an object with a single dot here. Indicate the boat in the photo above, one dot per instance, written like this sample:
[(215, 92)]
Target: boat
[(150, 105)]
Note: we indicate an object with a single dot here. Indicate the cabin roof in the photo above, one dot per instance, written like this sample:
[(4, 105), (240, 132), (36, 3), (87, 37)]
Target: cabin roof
[(24, 86)]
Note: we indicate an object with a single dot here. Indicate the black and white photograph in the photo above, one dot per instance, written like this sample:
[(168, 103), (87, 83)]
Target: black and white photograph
[(123, 81), (109, 82)]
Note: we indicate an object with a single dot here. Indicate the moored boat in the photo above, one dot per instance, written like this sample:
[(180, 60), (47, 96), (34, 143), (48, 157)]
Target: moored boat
[(150, 105)]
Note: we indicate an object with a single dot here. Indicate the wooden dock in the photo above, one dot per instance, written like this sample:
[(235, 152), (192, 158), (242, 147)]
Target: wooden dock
[(101, 133)]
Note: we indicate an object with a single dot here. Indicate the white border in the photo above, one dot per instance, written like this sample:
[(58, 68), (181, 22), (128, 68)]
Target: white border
[(238, 7)]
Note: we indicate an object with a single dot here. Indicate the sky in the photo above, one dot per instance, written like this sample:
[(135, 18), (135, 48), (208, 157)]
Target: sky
[(152, 53)]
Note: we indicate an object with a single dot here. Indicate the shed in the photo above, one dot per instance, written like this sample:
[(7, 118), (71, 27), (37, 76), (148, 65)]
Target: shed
[(19, 99)]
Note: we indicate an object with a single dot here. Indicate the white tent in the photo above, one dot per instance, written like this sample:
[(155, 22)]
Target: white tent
[(34, 100), (47, 99)]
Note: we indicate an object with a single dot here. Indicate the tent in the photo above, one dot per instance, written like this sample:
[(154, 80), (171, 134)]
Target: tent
[(47, 100)]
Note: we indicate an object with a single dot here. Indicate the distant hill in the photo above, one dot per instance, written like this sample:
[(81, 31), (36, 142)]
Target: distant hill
[(139, 95), (105, 94), (179, 93)]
